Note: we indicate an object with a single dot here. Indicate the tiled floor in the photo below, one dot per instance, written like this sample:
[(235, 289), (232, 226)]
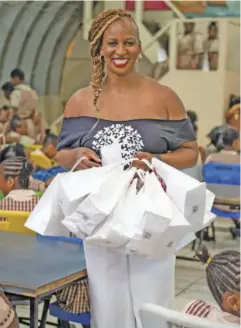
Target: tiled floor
[(190, 276)]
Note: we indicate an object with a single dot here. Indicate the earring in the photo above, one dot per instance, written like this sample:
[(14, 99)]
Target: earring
[(139, 58)]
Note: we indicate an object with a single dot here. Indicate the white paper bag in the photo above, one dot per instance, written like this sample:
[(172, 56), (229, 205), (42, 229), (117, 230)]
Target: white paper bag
[(155, 245), (122, 223), (158, 208), (75, 186), (95, 208), (46, 217), (187, 193)]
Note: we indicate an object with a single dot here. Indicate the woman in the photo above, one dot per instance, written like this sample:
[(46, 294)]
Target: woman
[(223, 277), (140, 118)]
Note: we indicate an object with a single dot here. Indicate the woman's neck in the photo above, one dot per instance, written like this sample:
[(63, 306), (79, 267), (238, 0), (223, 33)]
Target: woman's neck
[(120, 83)]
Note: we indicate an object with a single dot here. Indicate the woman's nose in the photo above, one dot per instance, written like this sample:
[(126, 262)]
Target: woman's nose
[(121, 49)]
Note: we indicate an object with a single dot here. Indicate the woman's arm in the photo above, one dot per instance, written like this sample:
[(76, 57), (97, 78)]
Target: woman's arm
[(185, 155), (67, 158)]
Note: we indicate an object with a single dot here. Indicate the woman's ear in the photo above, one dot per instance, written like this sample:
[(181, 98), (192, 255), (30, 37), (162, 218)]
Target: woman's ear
[(231, 302)]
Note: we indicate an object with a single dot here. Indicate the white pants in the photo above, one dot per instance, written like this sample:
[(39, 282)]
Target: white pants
[(120, 284)]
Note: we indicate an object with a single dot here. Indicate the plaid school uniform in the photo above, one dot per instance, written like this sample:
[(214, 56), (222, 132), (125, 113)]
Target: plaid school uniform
[(24, 204), (75, 298), (210, 312), (36, 185)]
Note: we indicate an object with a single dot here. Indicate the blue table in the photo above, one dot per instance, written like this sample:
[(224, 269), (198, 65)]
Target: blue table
[(37, 268)]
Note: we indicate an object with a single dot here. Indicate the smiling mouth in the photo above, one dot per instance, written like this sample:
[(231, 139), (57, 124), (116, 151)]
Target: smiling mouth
[(120, 62)]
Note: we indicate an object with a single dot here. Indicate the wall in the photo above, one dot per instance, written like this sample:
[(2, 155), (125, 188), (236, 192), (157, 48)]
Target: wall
[(77, 70), (201, 92)]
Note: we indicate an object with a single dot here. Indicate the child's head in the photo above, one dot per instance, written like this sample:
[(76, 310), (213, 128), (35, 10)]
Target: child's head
[(224, 137), (14, 174), (18, 125), (12, 151), (49, 144), (223, 277), (230, 138)]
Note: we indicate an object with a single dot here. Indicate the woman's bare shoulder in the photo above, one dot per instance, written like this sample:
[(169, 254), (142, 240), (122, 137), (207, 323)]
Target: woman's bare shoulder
[(79, 103), (170, 100)]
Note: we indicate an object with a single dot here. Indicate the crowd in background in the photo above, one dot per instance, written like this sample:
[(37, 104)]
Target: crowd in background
[(194, 51)]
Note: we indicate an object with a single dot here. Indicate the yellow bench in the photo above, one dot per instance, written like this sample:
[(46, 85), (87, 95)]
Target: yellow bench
[(13, 221)]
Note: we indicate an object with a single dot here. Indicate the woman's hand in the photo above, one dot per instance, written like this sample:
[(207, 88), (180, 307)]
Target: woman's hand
[(89, 158), (142, 165)]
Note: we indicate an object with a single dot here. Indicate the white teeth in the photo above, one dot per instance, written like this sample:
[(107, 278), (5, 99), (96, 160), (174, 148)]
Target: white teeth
[(120, 61)]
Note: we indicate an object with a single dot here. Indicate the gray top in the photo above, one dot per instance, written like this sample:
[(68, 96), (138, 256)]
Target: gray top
[(29, 262), (138, 135)]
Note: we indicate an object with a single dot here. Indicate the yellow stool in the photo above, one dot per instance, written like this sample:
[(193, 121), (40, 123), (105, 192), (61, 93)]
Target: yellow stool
[(14, 222)]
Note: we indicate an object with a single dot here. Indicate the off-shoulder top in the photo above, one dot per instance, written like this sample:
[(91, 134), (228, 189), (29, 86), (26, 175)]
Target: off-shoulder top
[(138, 135)]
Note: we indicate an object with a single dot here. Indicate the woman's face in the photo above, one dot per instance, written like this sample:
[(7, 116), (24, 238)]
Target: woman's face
[(121, 47)]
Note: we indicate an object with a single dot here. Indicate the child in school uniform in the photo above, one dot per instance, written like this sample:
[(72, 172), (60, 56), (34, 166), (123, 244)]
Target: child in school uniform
[(223, 278), (14, 183)]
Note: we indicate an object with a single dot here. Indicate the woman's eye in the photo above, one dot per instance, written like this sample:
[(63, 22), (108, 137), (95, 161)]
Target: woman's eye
[(111, 43), (130, 43)]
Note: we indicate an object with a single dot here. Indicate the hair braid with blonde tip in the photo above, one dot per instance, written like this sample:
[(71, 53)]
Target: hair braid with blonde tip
[(95, 37)]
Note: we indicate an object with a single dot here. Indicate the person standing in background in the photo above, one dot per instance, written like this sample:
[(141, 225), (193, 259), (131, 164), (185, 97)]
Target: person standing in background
[(189, 48), (24, 101), (211, 48)]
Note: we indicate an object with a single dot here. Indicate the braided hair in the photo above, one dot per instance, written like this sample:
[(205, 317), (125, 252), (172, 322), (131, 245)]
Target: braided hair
[(18, 167), (12, 151), (223, 272), (95, 37)]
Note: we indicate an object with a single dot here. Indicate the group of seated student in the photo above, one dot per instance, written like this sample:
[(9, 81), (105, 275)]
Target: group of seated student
[(16, 129), (223, 147)]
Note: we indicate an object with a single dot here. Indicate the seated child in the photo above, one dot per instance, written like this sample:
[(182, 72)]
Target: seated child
[(14, 183), (20, 130), (228, 143), (8, 317), (18, 151), (49, 149), (223, 277)]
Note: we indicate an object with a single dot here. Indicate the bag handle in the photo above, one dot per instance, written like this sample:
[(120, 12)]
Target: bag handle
[(79, 160)]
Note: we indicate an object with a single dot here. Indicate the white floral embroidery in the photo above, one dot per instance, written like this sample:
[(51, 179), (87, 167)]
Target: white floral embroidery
[(129, 139)]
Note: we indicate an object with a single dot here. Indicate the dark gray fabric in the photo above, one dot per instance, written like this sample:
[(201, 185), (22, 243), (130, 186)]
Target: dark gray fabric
[(147, 135)]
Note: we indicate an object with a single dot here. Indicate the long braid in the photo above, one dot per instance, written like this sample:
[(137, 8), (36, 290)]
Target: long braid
[(95, 37), (223, 272)]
